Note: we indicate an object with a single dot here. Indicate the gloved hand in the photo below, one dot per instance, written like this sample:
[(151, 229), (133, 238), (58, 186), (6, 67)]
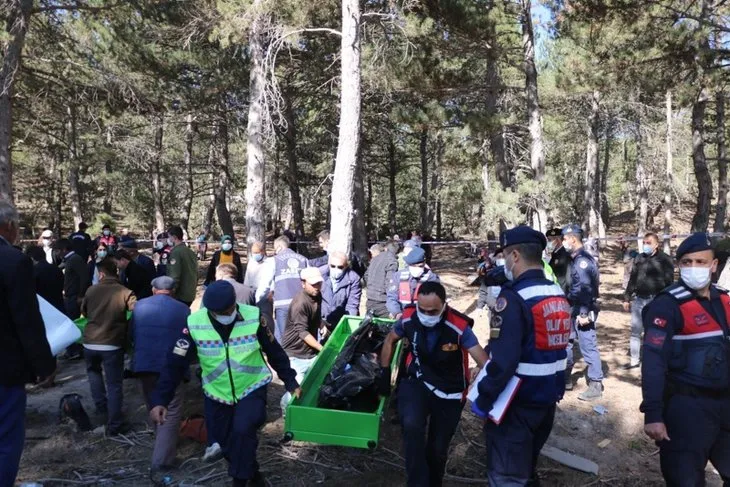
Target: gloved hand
[(382, 383)]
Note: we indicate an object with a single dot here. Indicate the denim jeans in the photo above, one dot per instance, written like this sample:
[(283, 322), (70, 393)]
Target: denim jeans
[(637, 328), (301, 366), (107, 397)]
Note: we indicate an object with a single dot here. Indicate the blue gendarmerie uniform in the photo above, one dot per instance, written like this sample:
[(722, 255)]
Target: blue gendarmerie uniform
[(686, 377), (583, 298), (431, 395), (529, 333)]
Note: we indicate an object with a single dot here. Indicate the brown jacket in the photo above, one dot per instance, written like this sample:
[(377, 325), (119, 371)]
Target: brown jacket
[(105, 306)]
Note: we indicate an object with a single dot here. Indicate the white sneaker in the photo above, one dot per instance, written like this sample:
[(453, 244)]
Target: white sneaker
[(213, 453)]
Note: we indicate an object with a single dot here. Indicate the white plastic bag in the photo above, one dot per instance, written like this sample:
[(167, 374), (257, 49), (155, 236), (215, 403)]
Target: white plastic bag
[(60, 330)]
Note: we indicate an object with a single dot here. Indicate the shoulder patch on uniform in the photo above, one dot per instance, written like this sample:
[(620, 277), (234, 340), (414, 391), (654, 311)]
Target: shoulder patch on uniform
[(660, 322), (501, 304), (583, 264), (655, 338), (181, 347)]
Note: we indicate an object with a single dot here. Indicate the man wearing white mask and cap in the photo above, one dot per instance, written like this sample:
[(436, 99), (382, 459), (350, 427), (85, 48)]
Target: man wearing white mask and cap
[(404, 284)]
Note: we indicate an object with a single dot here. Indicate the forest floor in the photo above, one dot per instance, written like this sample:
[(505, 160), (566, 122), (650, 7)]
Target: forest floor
[(56, 454)]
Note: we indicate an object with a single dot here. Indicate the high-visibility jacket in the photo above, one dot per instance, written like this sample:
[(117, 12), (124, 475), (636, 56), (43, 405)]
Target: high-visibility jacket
[(231, 369)]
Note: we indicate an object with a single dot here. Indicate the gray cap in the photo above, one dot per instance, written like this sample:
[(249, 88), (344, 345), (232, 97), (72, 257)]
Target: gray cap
[(163, 283)]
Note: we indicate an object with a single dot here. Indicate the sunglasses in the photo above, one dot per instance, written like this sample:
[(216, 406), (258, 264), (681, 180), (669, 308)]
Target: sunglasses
[(332, 266)]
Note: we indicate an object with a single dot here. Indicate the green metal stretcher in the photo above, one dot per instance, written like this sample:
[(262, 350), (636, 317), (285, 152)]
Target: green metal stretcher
[(309, 423)]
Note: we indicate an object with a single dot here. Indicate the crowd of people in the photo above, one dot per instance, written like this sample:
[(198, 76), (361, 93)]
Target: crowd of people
[(540, 291)]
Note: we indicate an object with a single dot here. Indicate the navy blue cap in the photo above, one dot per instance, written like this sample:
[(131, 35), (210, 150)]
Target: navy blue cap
[(415, 256), (697, 242), (219, 296), (554, 232), (572, 229), (128, 242), (522, 235)]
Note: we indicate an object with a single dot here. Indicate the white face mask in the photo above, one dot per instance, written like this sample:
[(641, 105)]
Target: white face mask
[(170, 242), (46, 242), (159, 245), (499, 262), (226, 247), (107, 233), (567, 246), (550, 247), (427, 320), (508, 271), (336, 273), (226, 319), (416, 272), (696, 277)]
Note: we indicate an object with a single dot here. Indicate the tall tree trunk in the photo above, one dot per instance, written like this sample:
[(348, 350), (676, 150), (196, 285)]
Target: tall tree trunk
[(343, 218), (209, 205), (642, 183), (435, 182), (221, 206), (73, 163), (701, 219), (109, 167), (669, 176), (188, 163), (18, 18), (537, 147), (369, 208), (56, 190), (392, 193), (292, 175), (722, 183), (590, 220), (604, 209), (255, 171), (495, 132), (157, 176), (423, 199)]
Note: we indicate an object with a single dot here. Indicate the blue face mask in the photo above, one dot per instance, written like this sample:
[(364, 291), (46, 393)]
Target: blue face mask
[(648, 249), (508, 271), (258, 257)]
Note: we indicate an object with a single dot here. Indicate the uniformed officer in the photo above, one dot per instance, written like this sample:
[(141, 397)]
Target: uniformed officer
[(281, 276), (437, 376), (529, 333), (559, 258), (685, 370), (228, 339), (583, 297), (404, 284)]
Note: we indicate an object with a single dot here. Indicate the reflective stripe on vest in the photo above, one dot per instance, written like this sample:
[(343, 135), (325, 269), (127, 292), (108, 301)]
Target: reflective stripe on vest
[(551, 325), (538, 370), (232, 370)]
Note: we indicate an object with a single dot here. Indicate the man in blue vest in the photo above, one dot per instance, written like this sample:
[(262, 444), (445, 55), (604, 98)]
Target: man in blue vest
[(686, 370), (404, 284), (437, 376), (229, 340), (281, 277), (583, 297), (529, 333), (154, 327)]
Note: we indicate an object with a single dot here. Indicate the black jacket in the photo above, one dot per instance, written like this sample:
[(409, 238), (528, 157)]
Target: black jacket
[(49, 284), (378, 276), (138, 280), (26, 353), (649, 275), (559, 262), (216, 259), (76, 276)]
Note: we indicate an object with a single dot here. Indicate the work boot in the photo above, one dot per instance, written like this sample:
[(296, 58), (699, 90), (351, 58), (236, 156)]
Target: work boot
[(594, 391)]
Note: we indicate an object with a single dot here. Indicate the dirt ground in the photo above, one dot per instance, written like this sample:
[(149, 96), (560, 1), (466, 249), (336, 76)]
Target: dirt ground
[(57, 455)]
